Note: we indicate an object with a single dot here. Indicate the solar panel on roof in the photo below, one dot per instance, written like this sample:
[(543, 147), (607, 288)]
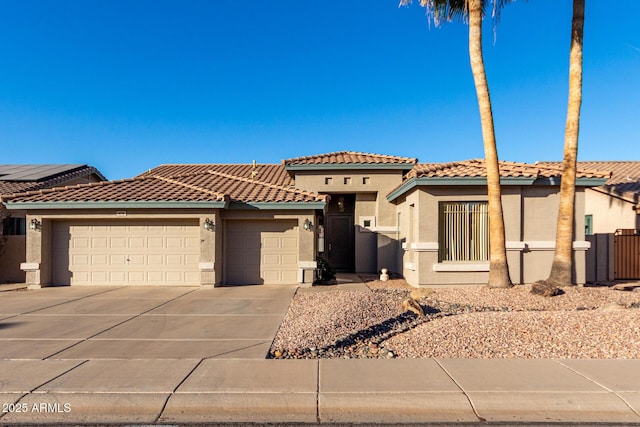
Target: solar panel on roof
[(34, 172)]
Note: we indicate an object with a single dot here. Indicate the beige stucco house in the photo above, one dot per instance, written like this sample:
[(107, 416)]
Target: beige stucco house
[(214, 224), (20, 178)]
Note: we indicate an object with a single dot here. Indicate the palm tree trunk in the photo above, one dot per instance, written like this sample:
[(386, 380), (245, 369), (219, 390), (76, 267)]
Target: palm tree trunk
[(498, 267), (561, 267)]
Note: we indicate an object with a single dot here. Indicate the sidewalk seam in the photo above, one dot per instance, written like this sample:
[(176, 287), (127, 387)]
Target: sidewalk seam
[(166, 402), (598, 384), (473, 407)]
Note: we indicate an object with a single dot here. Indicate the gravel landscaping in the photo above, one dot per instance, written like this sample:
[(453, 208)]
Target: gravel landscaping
[(462, 322)]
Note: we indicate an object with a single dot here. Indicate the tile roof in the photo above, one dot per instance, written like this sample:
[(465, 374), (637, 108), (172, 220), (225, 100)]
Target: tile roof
[(22, 178), (350, 158), (476, 168), (191, 185), (625, 177), (273, 174)]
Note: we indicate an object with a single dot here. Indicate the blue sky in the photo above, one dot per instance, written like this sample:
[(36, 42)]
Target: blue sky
[(126, 85)]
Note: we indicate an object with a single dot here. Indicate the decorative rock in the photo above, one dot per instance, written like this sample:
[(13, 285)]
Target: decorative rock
[(277, 354), (544, 288), (613, 307), (421, 293), (413, 306), (623, 286)]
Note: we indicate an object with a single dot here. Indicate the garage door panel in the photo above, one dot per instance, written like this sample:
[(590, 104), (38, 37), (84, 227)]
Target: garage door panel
[(99, 277), (289, 243), (118, 243), (156, 242), (118, 252), (259, 252), (99, 260), (99, 243), (80, 260), (136, 243), (117, 276), (81, 242), (154, 260), (136, 277), (271, 242), (192, 243), (290, 259)]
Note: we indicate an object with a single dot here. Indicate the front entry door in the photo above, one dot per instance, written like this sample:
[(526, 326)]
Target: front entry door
[(340, 242)]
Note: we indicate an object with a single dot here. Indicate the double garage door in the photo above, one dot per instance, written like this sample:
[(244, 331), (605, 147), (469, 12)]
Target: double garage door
[(167, 252), (126, 253)]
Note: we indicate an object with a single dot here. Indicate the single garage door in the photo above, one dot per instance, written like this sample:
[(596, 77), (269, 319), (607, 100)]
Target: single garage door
[(261, 252), (126, 252)]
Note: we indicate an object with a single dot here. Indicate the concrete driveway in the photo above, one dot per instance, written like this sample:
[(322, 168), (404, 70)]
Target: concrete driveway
[(141, 322)]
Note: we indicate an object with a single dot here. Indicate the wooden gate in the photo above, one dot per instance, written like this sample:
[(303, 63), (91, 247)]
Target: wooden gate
[(627, 254)]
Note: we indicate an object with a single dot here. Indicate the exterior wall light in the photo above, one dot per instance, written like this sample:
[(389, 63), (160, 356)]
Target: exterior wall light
[(308, 225), (208, 224), (34, 224), (341, 204)]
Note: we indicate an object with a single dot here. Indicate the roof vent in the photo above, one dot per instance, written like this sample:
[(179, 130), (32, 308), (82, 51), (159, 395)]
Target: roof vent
[(254, 172)]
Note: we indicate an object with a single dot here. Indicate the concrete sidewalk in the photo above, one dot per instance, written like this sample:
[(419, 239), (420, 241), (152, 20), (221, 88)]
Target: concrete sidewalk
[(418, 391)]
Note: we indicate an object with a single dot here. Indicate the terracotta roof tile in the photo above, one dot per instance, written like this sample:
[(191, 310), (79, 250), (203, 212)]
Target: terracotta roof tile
[(625, 177), (274, 174), (189, 185), (476, 168), (349, 157)]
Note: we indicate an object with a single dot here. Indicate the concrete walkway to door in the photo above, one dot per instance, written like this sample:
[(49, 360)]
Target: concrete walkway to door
[(141, 322)]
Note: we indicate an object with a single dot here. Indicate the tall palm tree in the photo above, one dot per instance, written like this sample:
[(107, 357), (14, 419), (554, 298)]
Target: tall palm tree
[(561, 267), (474, 11)]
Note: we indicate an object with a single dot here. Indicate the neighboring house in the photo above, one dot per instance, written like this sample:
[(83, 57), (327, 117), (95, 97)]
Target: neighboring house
[(252, 224), (612, 222), (615, 204), (21, 178)]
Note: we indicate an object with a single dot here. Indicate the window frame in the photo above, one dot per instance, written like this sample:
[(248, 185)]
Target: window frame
[(468, 220)]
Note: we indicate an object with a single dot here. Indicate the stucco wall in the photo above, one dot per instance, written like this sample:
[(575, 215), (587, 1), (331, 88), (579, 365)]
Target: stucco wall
[(376, 247), (530, 221), (609, 213)]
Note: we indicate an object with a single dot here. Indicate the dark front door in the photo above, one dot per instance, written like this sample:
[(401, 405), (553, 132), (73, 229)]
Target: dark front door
[(340, 242)]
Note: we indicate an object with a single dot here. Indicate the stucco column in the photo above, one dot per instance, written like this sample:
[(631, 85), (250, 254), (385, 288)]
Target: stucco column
[(37, 265), (306, 248), (209, 225)]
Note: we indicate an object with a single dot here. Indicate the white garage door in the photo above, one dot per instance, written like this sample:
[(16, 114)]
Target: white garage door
[(126, 253), (258, 252)]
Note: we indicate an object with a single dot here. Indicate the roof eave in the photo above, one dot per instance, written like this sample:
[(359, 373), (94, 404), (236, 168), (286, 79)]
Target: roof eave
[(118, 205), (277, 205), (454, 181), (349, 166), (580, 182)]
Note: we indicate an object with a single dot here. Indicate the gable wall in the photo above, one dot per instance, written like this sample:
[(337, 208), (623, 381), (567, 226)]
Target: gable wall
[(609, 213)]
